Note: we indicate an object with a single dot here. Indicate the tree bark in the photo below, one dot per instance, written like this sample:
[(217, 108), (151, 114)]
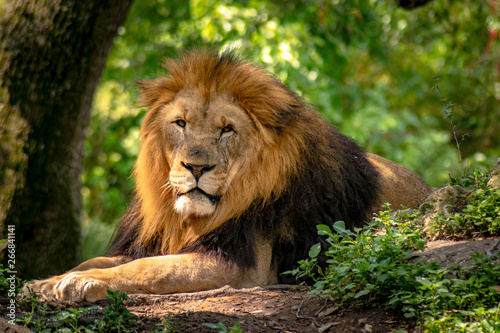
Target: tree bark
[(52, 54), (410, 4)]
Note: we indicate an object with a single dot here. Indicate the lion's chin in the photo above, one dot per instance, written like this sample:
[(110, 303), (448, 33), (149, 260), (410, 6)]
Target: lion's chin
[(194, 203)]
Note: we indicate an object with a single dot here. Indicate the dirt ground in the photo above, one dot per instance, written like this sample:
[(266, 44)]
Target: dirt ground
[(282, 308), (272, 309)]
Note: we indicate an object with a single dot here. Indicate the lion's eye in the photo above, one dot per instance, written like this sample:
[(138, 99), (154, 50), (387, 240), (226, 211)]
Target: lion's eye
[(227, 129), (180, 122)]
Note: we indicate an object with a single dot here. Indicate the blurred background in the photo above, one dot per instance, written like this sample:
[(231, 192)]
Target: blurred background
[(369, 67)]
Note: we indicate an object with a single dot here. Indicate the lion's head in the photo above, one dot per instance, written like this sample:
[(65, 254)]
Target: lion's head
[(205, 143), (216, 138)]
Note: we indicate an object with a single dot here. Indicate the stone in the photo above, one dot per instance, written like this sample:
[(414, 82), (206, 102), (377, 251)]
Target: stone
[(494, 179)]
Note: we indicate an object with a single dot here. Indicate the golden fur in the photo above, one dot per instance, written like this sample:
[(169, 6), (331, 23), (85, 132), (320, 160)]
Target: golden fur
[(234, 173)]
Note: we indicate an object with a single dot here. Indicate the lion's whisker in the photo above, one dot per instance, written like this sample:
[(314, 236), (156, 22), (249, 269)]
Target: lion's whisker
[(166, 187)]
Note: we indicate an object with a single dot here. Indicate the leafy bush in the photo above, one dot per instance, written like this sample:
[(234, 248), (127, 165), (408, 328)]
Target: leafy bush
[(480, 216), (372, 265), (116, 316), (363, 262)]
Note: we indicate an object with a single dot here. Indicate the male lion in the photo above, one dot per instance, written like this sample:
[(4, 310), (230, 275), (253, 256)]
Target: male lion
[(235, 172)]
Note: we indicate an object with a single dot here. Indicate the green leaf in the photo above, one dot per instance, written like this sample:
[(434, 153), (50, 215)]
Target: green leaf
[(323, 229), (382, 277), (350, 285), (315, 250), (362, 293), (385, 261), (220, 327), (339, 227), (63, 315)]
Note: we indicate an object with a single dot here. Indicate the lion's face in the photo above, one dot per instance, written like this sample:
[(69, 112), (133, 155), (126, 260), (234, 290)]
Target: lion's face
[(219, 136), (203, 144)]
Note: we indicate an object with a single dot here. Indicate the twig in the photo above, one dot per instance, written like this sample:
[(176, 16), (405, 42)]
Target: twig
[(448, 112), (305, 317), (298, 310), (321, 309)]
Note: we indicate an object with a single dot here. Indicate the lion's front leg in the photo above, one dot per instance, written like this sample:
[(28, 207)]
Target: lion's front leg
[(160, 275), (46, 288)]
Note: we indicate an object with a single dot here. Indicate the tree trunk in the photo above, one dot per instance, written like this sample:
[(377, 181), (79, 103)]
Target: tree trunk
[(411, 4), (52, 54)]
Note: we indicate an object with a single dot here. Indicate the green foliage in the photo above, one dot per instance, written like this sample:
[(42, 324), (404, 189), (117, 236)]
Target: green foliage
[(69, 320), (373, 266), (362, 262), (478, 179), (36, 319), (7, 281), (167, 325), (443, 304), (117, 318), (43, 319), (479, 218), (483, 211), (221, 328)]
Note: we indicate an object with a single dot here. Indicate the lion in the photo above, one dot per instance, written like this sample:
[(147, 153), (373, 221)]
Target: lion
[(233, 175)]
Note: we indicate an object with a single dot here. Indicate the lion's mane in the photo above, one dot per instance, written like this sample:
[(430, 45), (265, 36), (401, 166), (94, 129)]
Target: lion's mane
[(301, 173)]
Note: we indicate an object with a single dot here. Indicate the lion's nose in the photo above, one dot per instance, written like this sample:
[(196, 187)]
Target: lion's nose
[(197, 170)]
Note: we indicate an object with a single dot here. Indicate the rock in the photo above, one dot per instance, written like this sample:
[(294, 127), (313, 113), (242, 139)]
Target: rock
[(456, 253), (494, 179), (6, 327), (446, 200)]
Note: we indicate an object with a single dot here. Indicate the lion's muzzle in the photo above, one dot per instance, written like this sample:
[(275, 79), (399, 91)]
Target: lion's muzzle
[(198, 191), (197, 187), (197, 170)]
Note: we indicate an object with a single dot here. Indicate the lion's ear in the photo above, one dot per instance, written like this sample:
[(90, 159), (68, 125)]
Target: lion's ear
[(157, 90)]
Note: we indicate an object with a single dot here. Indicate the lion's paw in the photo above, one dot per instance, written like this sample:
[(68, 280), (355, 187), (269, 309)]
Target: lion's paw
[(80, 286), (42, 288), (74, 287)]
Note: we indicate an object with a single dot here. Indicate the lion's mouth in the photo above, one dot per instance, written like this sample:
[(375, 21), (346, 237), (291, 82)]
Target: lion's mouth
[(214, 199)]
